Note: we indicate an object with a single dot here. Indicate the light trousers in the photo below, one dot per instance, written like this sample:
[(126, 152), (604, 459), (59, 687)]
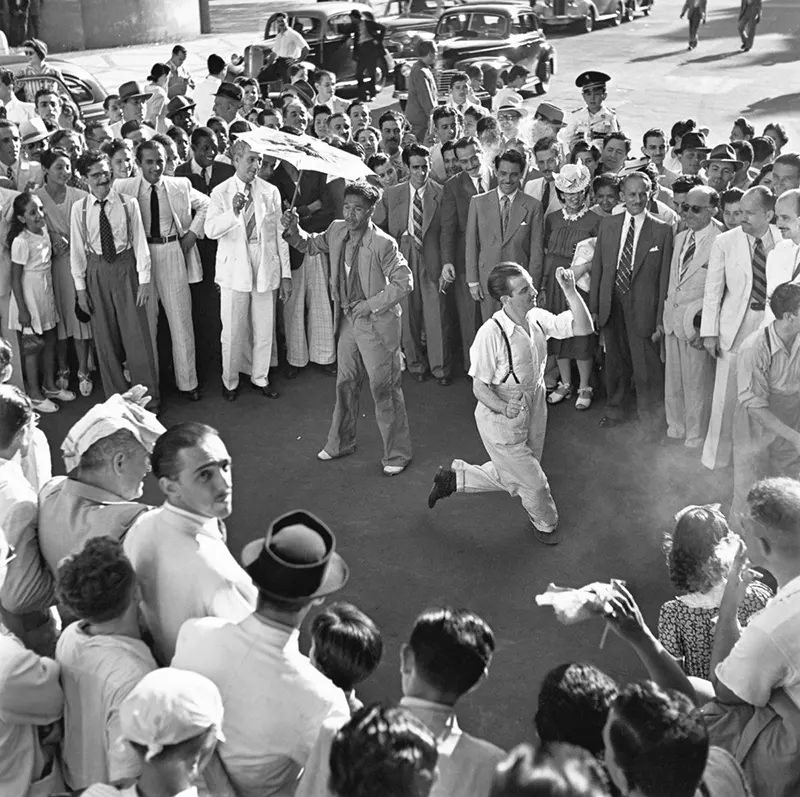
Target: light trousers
[(363, 352), (308, 317), (688, 390), (514, 446), (172, 292)]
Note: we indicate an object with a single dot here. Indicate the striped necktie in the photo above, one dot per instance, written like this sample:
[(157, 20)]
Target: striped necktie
[(505, 209), (416, 216), (758, 298), (625, 267), (249, 213), (688, 254)]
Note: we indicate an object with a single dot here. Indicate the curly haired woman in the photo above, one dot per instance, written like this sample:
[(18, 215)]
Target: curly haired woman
[(699, 553)]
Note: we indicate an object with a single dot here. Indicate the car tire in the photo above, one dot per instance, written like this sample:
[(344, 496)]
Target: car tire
[(619, 14), (544, 72), (586, 24), (630, 11)]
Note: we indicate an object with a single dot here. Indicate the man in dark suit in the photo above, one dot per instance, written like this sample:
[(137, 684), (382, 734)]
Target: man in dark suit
[(474, 178), (205, 174), (630, 277), (413, 218), (368, 51), (422, 93), (749, 17), (503, 225)]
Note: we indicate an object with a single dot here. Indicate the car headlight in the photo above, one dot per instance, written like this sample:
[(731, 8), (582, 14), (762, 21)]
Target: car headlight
[(405, 70)]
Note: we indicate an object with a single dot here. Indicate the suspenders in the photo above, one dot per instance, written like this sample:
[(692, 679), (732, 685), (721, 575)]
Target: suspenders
[(85, 227), (508, 351)]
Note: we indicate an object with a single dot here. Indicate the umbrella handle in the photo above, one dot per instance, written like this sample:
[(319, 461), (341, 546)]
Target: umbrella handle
[(296, 189)]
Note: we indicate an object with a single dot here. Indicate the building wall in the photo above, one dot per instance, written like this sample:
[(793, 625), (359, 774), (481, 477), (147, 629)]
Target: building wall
[(98, 24)]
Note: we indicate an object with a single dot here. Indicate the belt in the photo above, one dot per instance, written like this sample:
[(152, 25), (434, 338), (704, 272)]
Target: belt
[(168, 240), (757, 306)]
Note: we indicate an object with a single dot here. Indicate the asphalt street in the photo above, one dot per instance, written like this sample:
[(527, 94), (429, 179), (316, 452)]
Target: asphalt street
[(616, 497)]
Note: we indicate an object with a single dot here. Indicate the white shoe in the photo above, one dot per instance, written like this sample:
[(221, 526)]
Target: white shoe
[(127, 375), (563, 391), (324, 456), (60, 395), (85, 384), (584, 401), (393, 470), (44, 405)]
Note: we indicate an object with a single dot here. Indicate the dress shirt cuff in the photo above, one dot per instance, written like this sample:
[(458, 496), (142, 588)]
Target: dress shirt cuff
[(473, 284), (80, 283)]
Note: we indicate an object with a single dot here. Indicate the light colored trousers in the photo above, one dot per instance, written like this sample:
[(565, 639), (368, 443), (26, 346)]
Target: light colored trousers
[(308, 317), (688, 389), (171, 289), (514, 446), (422, 316), (362, 352)]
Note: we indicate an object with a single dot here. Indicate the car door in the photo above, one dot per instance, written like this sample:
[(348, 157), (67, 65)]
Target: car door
[(524, 39), (338, 47), (311, 29)]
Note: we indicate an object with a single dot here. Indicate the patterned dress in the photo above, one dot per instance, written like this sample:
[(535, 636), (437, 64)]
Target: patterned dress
[(687, 632)]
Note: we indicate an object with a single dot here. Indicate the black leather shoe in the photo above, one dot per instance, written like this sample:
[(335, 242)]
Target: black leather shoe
[(331, 370), (191, 395), (608, 422), (229, 395), (292, 372), (444, 381), (266, 391), (444, 484)]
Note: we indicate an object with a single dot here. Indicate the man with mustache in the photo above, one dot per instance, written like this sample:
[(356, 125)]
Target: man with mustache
[(110, 263), (178, 550)]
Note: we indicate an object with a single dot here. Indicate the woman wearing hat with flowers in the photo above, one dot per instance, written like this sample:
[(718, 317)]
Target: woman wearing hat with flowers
[(563, 230)]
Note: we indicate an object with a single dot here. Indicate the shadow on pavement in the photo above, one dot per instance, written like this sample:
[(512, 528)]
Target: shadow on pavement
[(773, 104)]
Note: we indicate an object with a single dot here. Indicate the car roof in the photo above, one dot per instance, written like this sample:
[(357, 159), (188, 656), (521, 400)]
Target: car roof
[(498, 8), (322, 8)]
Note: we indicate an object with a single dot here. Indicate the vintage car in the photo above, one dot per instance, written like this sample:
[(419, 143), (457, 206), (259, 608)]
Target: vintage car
[(82, 86), (325, 27), (493, 35), (585, 14)]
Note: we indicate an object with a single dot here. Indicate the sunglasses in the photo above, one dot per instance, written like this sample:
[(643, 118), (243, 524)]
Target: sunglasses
[(686, 207), (29, 52), (508, 117)]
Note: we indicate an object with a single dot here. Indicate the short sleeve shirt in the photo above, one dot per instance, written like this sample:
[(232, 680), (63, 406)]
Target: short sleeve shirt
[(289, 44)]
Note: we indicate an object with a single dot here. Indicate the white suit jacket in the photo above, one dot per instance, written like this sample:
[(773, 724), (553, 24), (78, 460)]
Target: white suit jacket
[(685, 293), (183, 199), (233, 259), (729, 284), (781, 264)]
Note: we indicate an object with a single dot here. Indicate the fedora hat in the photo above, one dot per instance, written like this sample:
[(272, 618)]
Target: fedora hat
[(723, 153), (296, 560), (303, 91), (693, 140), (131, 90), (178, 104), (33, 130), (509, 106), (551, 113), (229, 90), (573, 178)]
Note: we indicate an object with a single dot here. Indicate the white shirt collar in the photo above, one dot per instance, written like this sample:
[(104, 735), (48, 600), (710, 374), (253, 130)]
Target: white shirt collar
[(638, 218), (511, 197), (413, 190), (506, 322), (209, 524)]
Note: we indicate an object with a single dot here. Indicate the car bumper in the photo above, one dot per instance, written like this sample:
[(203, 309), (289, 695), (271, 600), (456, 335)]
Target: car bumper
[(560, 22)]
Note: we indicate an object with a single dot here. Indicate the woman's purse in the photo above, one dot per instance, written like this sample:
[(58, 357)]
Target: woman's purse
[(31, 343)]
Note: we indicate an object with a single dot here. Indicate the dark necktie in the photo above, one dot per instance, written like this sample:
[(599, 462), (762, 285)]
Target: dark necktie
[(759, 295), (480, 185), (505, 203), (106, 235), (10, 172), (546, 196), (155, 227), (416, 216), (625, 268), (688, 254), (205, 175)]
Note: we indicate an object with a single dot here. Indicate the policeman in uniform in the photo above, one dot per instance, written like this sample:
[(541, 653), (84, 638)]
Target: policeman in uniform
[(594, 122)]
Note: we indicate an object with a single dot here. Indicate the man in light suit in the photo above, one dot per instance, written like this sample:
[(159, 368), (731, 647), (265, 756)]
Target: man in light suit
[(422, 93), (630, 275), (783, 262), (413, 219), (734, 300), (369, 279), (252, 266), (503, 225), (689, 381), (20, 173), (205, 173), (166, 204), (474, 178)]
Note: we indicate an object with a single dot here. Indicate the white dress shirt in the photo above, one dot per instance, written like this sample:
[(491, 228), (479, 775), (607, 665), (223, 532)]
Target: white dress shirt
[(184, 570), (18, 111), (166, 223), (783, 265), (204, 97), (289, 44)]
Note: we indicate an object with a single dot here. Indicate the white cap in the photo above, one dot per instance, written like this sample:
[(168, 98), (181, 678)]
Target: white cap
[(118, 412), (170, 706)]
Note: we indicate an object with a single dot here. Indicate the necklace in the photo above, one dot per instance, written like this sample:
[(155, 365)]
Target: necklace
[(574, 216)]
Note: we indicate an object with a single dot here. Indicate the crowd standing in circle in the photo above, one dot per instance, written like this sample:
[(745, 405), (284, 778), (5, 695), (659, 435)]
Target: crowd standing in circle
[(518, 247)]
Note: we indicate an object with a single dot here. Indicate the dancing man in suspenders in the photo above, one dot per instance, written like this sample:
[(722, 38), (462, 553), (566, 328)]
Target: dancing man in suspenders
[(507, 367)]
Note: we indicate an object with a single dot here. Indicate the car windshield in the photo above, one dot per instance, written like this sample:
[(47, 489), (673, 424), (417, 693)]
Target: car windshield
[(307, 27), (472, 25)]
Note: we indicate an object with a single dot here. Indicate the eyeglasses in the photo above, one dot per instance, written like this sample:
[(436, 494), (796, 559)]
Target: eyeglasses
[(508, 117), (686, 207), (29, 52)]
